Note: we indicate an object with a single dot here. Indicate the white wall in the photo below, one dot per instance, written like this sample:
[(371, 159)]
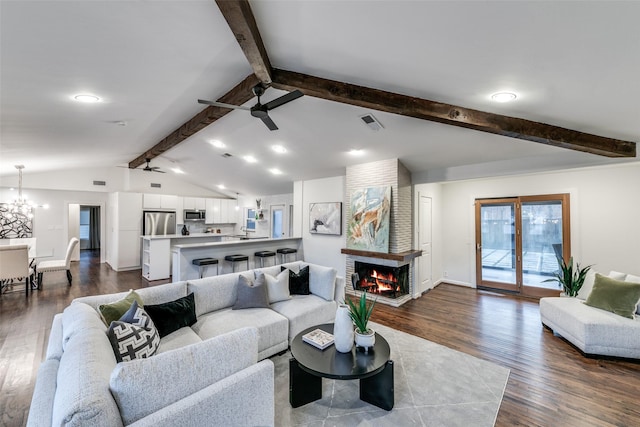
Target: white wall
[(605, 230), (321, 249), (50, 226)]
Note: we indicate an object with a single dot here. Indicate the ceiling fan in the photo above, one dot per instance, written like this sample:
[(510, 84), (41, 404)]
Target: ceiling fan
[(149, 168), (259, 110)]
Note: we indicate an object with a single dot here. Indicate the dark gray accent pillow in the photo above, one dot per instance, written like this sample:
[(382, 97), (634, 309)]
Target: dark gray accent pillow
[(171, 316), (251, 294)]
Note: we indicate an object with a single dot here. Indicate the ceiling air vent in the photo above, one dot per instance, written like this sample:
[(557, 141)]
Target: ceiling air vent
[(227, 155), (371, 122), (100, 183), (154, 185)]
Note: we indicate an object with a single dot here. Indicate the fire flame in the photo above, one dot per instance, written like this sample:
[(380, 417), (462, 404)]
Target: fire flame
[(383, 282)]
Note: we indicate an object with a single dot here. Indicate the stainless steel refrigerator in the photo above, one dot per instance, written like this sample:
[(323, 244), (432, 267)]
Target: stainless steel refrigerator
[(157, 223)]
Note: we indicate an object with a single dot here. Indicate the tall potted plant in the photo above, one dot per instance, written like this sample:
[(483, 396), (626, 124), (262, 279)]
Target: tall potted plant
[(569, 278), (360, 314)]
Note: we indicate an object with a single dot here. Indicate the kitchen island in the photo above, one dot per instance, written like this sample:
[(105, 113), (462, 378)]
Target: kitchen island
[(156, 251), (184, 254)]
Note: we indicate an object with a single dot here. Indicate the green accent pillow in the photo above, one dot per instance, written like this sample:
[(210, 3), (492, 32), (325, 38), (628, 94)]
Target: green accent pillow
[(615, 296), (115, 310)]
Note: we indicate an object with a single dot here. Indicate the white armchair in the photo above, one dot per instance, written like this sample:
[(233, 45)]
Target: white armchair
[(58, 265), (14, 265)]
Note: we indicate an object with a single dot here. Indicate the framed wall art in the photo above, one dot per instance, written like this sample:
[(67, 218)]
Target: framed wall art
[(325, 218)]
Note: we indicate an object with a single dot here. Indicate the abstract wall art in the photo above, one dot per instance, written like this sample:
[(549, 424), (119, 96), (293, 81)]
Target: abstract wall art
[(325, 218), (368, 222)]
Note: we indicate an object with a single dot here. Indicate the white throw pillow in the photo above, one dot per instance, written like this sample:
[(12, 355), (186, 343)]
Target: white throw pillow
[(633, 279), (322, 281), (587, 286), (278, 286), (616, 275)]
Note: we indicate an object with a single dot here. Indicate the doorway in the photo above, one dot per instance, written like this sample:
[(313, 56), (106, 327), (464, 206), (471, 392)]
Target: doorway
[(86, 222), (279, 227), (518, 242)]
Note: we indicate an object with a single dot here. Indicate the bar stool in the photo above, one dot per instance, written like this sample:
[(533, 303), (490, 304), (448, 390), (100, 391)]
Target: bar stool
[(287, 251), (203, 263), (233, 259), (264, 254)]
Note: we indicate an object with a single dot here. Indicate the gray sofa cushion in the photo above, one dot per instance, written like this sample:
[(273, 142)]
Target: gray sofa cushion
[(304, 311), (272, 327), (77, 318), (83, 376), (54, 347), (41, 407), (215, 292), (179, 373), (151, 295), (177, 339), (592, 330)]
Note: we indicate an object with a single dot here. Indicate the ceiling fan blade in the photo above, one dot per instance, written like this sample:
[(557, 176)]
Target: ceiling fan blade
[(222, 104), (283, 99), (157, 170), (270, 124)]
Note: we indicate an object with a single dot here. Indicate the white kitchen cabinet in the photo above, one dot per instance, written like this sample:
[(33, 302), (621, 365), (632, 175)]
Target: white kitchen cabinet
[(212, 213), (124, 229), (232, 212), (196, 203), (156, 259), (159, 201)]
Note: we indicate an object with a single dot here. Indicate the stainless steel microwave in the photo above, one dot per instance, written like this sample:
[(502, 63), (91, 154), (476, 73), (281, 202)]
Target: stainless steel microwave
[(194, 215)]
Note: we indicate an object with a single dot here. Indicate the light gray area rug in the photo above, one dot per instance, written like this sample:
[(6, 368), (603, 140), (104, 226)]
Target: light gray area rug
[(434, 386)]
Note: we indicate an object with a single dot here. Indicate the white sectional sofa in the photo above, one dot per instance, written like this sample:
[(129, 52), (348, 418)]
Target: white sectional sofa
[(592, 330), (215, 372)]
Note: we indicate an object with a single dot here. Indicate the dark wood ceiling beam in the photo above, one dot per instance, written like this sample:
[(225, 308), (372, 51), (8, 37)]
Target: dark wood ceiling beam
[(240, 94), (243, 25), (452, 115)]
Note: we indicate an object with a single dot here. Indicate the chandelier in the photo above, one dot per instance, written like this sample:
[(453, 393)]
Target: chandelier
[(21, 206)]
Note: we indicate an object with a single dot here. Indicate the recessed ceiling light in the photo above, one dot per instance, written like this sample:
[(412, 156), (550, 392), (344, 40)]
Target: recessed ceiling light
[(250, 159), (217, 144), (503, 96), (86, 98), (355, 152), (275, 171), (279, 149), (221, 186)]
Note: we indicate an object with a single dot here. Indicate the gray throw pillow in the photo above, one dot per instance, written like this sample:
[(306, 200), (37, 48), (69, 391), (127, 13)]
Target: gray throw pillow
[(251, 294)]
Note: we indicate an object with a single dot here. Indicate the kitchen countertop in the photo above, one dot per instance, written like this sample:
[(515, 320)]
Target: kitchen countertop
[(189, 236), (234, 242)]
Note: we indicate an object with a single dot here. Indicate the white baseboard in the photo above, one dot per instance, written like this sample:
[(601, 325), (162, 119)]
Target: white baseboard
[(455, 282)]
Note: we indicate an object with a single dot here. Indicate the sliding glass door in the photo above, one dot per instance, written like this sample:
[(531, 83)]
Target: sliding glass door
[(518, 241)]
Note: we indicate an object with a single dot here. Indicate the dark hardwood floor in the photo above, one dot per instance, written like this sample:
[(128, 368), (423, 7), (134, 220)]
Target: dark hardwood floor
[(551, 383)]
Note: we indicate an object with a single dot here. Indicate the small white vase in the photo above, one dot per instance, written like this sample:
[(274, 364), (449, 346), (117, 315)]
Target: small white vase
[(343, 330), (366, 340)]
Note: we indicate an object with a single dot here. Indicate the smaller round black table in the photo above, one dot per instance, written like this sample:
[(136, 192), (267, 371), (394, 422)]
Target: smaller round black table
[(309, 365)]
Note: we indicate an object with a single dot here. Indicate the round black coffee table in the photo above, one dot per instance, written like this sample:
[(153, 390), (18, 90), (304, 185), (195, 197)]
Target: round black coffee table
[(309, 365)]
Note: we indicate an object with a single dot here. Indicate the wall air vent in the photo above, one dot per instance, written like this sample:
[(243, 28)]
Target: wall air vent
[(155, 185), (371, 122), (227, 155), (100, 183)]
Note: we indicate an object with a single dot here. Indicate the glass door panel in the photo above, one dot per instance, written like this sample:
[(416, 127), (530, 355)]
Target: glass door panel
[(543, 236), (497, 246)]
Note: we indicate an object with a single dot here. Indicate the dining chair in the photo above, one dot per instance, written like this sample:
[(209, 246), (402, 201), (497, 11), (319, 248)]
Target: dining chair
[(14, 265), (57, 265)]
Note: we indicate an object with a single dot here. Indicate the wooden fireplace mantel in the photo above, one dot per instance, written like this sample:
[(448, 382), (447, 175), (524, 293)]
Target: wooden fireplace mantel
[(401, 257)]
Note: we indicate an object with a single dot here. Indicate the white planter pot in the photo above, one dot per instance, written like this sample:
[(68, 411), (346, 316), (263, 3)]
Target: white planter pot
[(343, 330), (366, 340)]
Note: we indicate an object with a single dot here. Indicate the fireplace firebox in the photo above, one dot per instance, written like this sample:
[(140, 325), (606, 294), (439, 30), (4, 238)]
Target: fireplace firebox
[(390, 282)]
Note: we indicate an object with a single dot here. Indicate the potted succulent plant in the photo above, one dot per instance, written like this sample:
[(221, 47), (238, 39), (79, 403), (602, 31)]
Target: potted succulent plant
[(360, 314), (569, 278)]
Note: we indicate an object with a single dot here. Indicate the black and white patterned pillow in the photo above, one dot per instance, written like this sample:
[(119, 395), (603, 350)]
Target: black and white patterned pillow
[(134, 336)]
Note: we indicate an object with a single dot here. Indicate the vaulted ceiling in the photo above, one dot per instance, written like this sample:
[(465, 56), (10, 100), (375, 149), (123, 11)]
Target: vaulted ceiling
[(570, 63)]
